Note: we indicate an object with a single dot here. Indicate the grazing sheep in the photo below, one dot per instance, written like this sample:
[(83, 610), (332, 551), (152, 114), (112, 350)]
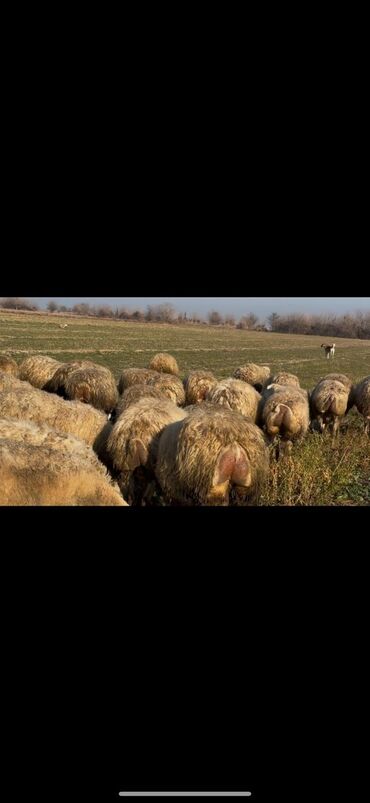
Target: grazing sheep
[(254, 374), (283, 378), (8, 381), (72, 417), (133, 394), (93, 386), (57, 382), (236, 395), (329, 402), (284, 411), (212, 452), (360, 396), (171, 386), (133, 441), (164, 363), (339, 378), (197, 384), (135, 376), (8, 365), (41, 467), (38, 370)]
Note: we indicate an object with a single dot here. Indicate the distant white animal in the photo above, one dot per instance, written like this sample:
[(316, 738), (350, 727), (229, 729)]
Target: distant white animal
[(63, 325), (329, 350)]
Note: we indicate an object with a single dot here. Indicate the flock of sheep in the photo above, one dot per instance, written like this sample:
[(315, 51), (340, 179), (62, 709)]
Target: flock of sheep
[(70, 436)]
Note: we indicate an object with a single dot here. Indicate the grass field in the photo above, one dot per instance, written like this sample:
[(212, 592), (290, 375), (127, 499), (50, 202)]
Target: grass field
[(316, 474)]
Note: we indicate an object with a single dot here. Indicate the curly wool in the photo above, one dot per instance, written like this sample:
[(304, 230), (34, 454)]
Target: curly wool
[(236, 395)]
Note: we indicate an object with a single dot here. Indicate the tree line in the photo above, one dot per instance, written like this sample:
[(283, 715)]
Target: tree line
[(356, 325)]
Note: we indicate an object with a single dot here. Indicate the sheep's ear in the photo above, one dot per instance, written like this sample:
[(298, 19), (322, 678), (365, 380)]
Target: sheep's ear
[(137, 454)]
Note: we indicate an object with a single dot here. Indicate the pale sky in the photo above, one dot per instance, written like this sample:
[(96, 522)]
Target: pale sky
[(260, 306)]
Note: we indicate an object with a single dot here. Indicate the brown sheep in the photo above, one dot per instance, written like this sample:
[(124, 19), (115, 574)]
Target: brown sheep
[(35, 405), (8, 365), (57, 382), (283, 378), (135, 376), (171, 386), (38, 370), (214, 451), (197, 384), (284, 411), (360, 396), (40, 467), (133, 442), (329, 402), (254, 374), (236, 395), (164, 363), (93, 386), (133, 394)]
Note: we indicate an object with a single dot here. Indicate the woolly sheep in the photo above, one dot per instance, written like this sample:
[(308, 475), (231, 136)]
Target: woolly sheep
[(197, 384), (73, 417), (8, 365), (41, 467), (133, 394), (38, 370), (171, 386), (164, 363), (283, 378), (133, 441), (56, 383), (254, 374), (236, 395), (360, 396), (284, 411), (92, 386), (212, 452), (329, 401), (339, 378), (135, 376)]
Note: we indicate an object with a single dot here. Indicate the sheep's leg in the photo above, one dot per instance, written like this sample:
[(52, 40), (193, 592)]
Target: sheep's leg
[(367, 426), (320, 421), (335, 430)]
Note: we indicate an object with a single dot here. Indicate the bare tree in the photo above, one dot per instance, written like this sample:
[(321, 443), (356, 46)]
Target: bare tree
[(52, 306), (215, 319)]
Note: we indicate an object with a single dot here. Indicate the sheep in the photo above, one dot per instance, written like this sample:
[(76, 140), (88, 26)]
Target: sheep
[(8, 365), (93, 386), (197, 384), (135, 376), (56, 383), (210, 456), (38, 370), (73, 417), (329, 402), (133, 394), (284, 412), (171, 386), (8, 381), (164, 363), (254, 374), (39, 466), (339, 378), (282, 378), (132, 443), (236, 395), (360, 396)]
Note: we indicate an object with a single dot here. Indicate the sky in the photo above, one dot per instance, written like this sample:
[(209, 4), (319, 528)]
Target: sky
[(260, 306)]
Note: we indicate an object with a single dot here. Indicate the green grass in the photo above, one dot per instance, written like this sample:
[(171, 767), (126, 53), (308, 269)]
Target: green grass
[(315, 474)]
